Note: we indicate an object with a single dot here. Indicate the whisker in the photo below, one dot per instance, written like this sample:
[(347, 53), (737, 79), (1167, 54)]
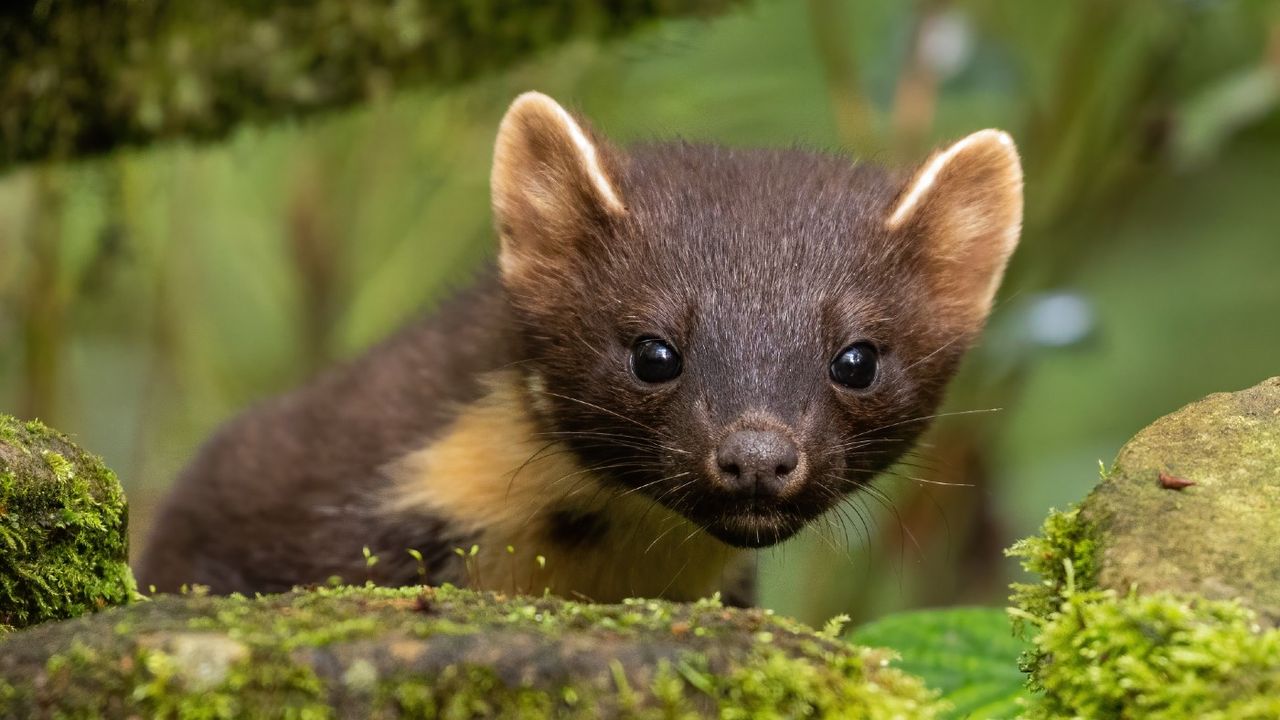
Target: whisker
[(654, 482), (854, 444), (677, 574), (922, 418), (620, 416), (511, 483), (558, 497), (830, 543), (661, 535), (900, 476), (942, 347), (888, 504), (620, 438)]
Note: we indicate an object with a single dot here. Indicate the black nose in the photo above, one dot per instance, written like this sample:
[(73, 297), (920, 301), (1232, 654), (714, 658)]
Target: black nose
[(757, 462)]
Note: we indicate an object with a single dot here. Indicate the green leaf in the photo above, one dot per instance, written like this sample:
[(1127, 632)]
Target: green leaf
[(969, 654)]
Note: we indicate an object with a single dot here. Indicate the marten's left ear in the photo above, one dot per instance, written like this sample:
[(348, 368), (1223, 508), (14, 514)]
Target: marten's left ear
[(963, 209), (552, 185)]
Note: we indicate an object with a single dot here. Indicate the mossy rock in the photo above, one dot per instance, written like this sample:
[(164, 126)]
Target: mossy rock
[(63, 538), (444, 652), (1219, 538), (1158, 598)]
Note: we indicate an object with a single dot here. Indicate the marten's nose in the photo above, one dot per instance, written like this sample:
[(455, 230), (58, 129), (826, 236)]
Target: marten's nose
[(757, 462)]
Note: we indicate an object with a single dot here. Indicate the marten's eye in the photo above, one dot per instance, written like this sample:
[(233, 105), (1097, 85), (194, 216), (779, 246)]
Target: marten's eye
[(655, 361), (855, 366)]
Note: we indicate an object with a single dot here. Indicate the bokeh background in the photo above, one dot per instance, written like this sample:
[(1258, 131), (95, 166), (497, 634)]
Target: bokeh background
[(149, 293)]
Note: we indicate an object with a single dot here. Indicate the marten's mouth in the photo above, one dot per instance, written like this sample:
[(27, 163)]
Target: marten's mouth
[(755, 528), (749, 523), (744, 521)]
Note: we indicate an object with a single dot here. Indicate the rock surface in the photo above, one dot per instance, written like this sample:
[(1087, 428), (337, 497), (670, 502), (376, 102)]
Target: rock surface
[(1159, 595), (1218, 538), (63, 539)]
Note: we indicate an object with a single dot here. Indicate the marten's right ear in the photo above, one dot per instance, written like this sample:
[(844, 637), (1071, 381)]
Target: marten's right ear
[(552, 185)]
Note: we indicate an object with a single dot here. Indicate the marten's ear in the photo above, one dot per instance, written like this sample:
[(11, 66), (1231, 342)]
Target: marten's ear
[(552, 184), (963, 210)]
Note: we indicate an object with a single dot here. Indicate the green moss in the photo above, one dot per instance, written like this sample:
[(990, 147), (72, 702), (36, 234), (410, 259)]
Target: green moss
[(167, 686), (777, 686), (1063, 556), (196, 69), (1099, 653), (63, 538), (1157, 602), (1156, 656), (448, 653)]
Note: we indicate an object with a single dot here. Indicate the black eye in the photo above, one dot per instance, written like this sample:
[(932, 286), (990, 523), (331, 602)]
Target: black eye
[(655, 361), (855, 366)]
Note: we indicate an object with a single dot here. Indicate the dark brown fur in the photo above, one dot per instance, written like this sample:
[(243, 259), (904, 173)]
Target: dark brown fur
[(759, 265), (741, 258), (286, 493)]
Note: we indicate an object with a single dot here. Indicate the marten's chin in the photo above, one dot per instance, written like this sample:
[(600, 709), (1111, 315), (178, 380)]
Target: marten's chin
[(755, 528)]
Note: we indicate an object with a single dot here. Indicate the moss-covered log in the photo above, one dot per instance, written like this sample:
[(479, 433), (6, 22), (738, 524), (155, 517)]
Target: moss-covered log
[(442, 652), (63, 539), (79, 78), (1160, 594)]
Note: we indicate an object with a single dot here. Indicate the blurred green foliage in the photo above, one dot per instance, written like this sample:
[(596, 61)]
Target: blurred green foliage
[(147, 295), (968, 654), (84, 77)]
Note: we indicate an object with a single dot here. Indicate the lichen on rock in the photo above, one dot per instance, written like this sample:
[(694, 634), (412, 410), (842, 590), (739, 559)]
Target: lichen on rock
[(63, 538), (1160, 599), (445, 652)]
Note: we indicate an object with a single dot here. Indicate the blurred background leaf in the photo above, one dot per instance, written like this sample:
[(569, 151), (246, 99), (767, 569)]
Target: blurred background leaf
[(967, 654), (147, 294)]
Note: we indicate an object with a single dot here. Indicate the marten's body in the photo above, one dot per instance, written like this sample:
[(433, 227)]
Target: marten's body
[(682, 352), (294, 491)]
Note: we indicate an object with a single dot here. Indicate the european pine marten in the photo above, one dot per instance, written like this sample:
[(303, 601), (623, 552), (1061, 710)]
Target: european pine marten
[(682, 351)]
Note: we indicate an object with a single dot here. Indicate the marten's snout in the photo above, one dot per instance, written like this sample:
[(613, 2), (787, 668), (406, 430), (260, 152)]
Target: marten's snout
[(757, 462)]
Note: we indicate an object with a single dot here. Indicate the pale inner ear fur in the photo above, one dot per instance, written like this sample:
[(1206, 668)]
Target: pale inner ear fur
[(928, 175), (550, 176), (587, 153), (539, 146), (965, 203)]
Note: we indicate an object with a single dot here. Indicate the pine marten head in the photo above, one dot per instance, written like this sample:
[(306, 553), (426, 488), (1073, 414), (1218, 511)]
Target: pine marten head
[(744, 336)]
